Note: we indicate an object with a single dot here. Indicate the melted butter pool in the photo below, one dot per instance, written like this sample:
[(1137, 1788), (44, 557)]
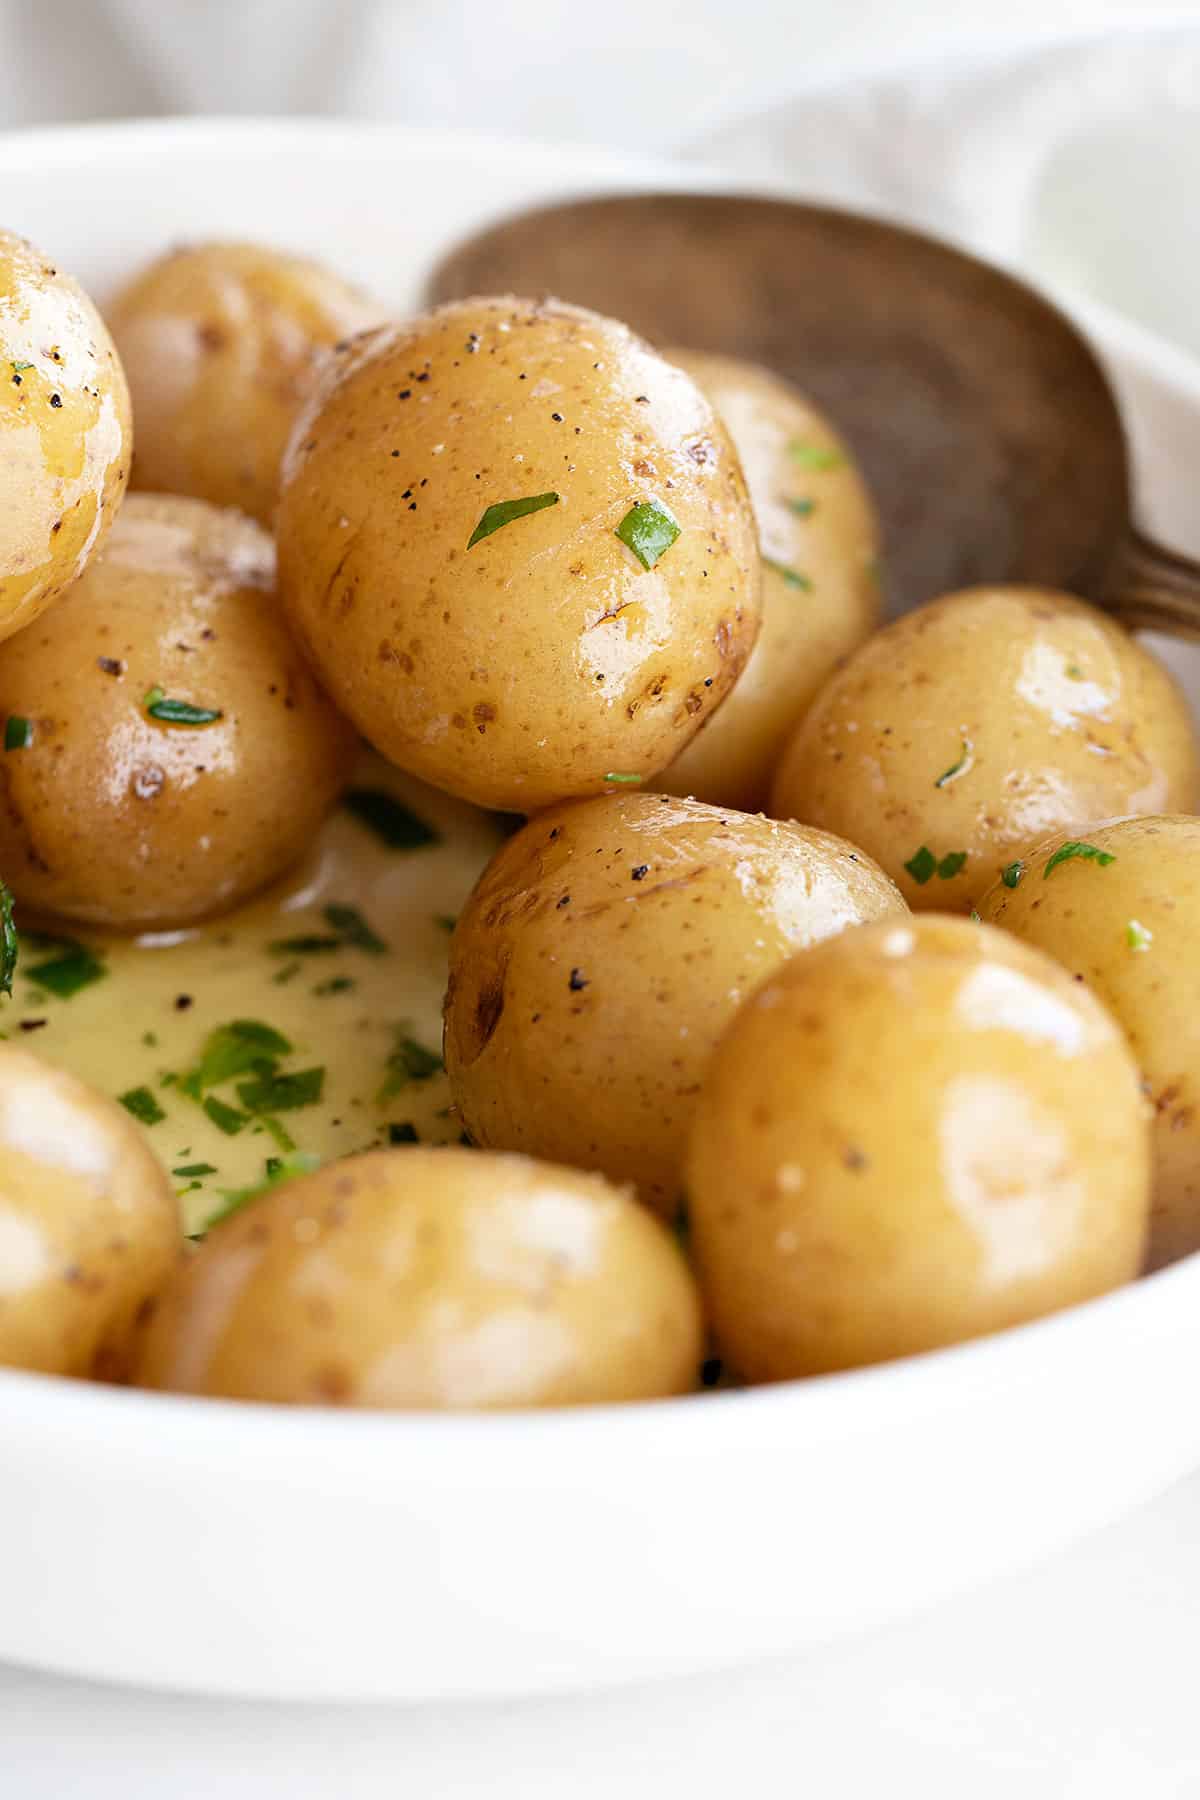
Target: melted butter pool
[(369, 1017)]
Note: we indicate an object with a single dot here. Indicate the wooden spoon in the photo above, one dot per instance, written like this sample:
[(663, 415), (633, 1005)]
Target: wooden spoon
[(983, 420)]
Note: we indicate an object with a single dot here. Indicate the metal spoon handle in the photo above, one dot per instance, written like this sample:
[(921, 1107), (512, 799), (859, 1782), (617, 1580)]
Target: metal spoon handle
[(1157, 589)]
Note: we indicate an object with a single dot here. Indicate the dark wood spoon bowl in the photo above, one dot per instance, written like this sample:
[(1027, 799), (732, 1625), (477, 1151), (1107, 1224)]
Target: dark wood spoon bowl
[(986, 426)]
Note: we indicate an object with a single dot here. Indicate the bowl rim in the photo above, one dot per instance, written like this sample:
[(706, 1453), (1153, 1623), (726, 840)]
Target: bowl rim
[(133, 1421)]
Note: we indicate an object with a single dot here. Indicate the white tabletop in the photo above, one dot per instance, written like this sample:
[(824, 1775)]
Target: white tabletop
[(1073, 1682)]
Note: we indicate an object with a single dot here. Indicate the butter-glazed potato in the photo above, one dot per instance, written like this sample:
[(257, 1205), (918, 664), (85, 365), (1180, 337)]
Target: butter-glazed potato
[(432, 1279), (65, 436), (821, 593), (1121, 910), (89, 1225), (603, 952), (519, 547), (982, 723), (221, 342), (168, 749), (913, 1134)]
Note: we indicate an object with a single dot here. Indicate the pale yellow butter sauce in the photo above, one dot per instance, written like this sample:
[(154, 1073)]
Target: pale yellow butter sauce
[(145, 1022)]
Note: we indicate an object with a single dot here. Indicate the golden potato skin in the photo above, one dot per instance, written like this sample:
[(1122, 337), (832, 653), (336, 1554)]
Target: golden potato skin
[(821, 595), (110, 816), (916, 1133), (528, 668), (603, 952), (89, 1224), (65, 433), (1131, 930), (1054, 715), (432, 1279), (221, 342)]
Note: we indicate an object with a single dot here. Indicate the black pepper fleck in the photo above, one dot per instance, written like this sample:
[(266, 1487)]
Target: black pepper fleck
[(557, 417), (56, 399), (640, 873), (404, 394), (110, 665), (577, 982), (33, 1024), (182, 1002)]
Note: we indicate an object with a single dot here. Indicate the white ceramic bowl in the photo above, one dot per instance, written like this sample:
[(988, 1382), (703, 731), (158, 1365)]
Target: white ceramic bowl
[(248, 1550)]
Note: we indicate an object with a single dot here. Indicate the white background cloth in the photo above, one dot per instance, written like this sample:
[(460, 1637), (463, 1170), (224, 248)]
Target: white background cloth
[(1073, 1682)]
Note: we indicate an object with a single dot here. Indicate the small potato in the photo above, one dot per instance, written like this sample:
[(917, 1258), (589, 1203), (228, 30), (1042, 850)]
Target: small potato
[(820, 597), (449, 550), (983, 723), (916, 1133), (1130, 928), (89, 1225), (115, 810), (65, 434), (432, 1279), (221, 343), (603, 952)]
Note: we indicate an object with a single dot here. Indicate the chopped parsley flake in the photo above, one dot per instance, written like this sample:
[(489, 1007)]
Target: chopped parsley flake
[(620, 776), (9, 942), (340, 984), (1074, 672), (505, 511), (814, 456), (803, 509), (408, 1062), (648, 529), (790, 577), (178, 712), (1085, 852), (18, 732), (354, 929), (1011, 875), (391, 821), (243, 1047), (282, 1093), (286, 974), (142, 1104), (277, 1170), (226, 1118), (190, 1171), (19, 368), (1138, 936), (925, 865), (445, 921), (65, 974), (309, 944), (961, 767)]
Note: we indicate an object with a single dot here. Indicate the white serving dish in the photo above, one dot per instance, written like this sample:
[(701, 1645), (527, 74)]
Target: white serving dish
[(248, 1550)]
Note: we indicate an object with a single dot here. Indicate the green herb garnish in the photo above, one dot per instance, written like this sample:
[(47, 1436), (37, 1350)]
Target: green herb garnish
[(648, 529), (286, 974), (277, 1169), (243, 1047), (274, 1129), (814, 456), (226, 1118), (922, 866), (1138, 936), (619, 775), (803, 509), (791, 577), (74, 968), (1074, 672), (354, 929), (340, 984), (309, 944), (505, 511), (18, 732), (10, 944), (399, 828), (178, 712), (1011, 875), (958, 768), (925, 865), (19, 368), (190, 1171), (1086, 852), (142, 1104), (408, 1062), (445, 921), (282, 1093)]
